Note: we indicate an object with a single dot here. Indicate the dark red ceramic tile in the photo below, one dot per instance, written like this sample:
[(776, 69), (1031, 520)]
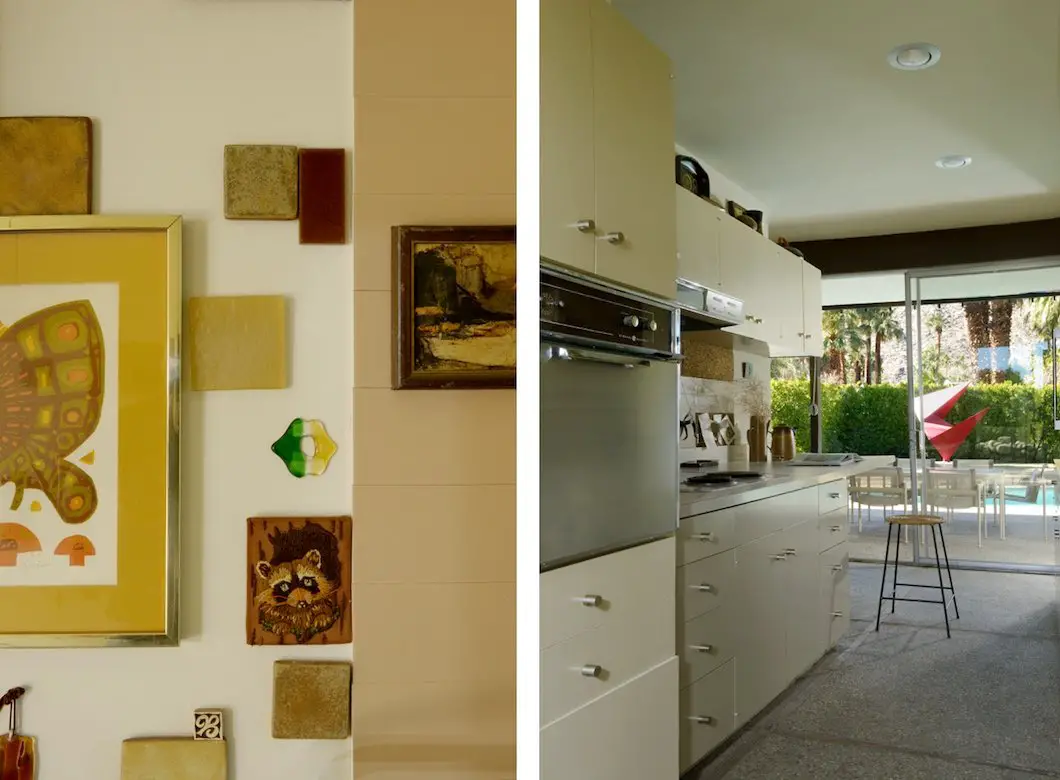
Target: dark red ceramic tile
[(322, 196)]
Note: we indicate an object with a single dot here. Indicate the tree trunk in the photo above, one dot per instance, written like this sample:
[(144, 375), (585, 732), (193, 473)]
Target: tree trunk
[(859, 369), (879, 359), (1000, 337), (977, 318), (868, 362), (843, 367)]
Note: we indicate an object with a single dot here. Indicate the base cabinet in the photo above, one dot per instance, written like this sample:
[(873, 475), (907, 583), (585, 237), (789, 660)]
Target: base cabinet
[(628, 734), (707, 716)]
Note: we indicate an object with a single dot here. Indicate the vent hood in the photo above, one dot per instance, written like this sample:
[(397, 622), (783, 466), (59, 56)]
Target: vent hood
[(702, 308)]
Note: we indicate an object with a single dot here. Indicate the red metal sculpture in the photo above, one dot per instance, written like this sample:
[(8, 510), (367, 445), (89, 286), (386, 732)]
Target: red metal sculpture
[(944, 436)]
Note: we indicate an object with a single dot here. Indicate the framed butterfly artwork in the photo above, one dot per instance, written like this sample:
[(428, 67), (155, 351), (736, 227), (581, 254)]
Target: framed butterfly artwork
[(90, 313)]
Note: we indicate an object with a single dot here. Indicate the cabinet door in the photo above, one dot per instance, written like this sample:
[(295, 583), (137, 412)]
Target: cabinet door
[(783, 318), (813, 342), (634, 151), (834, 594), (761, 572), (698, 225), (739, 266), (629, 734), (566, 143), (804, 642)]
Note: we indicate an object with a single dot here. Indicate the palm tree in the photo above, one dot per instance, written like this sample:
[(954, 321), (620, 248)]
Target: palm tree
[(837, 325), (886, 328), (937, 324), (1043, 317), (1000, 332), (977, 318)]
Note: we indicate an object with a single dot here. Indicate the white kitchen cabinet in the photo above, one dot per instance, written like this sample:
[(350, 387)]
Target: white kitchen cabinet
[(607, 128), (833, 577), (802, 644), (741, 270), (568, 179), (629, 734), (812, 334), (707, 716), (698, 234), (784, 310)]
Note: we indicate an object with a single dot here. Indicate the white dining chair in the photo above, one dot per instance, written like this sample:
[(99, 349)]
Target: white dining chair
[(952, 489), (883, 487)]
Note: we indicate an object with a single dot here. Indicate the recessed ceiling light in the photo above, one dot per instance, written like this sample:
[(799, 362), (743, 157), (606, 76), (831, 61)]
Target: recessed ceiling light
[(951, 161), (914, 56)]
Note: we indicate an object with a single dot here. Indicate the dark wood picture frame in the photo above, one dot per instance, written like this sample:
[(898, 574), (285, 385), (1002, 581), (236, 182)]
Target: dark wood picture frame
[(406, 373)]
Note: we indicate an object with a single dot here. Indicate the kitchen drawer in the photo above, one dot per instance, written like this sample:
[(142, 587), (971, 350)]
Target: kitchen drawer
[(707, 713), (761, 518), (832, 496), (629, 734), (832, 529), (703, 535), (615, 654), (613, 589), (834, 588), (705, 643), (705, 585)]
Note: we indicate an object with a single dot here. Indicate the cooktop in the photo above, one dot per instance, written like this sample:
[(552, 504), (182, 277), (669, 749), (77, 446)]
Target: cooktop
[(723, 477)]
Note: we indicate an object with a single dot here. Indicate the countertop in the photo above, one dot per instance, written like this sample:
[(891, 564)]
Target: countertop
[(780, 478)]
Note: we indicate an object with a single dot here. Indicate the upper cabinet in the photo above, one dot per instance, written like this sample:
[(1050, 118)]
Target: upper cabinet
[(607, 147), (780, 291)]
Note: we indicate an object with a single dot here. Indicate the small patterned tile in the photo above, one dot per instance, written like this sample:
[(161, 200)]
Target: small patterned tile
[(261, 182)]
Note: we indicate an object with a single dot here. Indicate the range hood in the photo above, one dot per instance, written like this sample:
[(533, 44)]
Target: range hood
[(702, 308)]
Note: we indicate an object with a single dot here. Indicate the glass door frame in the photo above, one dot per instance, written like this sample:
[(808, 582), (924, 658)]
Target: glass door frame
[(917, 442)]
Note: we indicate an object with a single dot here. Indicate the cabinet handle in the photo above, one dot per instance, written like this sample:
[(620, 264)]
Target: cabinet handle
[(585, 225), (704, 537), (801, 335), (791, 551), (837, 614), (749, 317), (704, 587), (614, 238), (590, 600), (758, 320), (702, 720), (779, 557), (702, 648), (833, 495), (837, 568), (592, 670), (836, 529)]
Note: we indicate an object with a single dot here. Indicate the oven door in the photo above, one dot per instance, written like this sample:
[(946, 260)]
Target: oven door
[(609, 475)]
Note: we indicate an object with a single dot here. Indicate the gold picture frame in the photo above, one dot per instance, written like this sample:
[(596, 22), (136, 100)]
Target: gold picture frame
[(116, 279)]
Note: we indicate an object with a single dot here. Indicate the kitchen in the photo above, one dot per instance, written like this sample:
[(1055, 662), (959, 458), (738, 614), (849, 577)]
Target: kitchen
[(671, 612)]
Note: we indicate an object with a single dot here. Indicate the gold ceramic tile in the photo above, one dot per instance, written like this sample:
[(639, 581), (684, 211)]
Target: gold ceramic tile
[(311, 700), (433, 633), (261, 182), (433, 146), (372, 326), (461, 533), (238, 342), (474, 31), (434, 437), (45, 165), (174, 758), (373, 216)]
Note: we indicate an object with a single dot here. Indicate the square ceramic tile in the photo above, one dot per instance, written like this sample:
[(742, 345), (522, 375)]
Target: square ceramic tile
[(322, 196), (174, 758), (45, 165), (311, 699), (261, 182), (238, 342)]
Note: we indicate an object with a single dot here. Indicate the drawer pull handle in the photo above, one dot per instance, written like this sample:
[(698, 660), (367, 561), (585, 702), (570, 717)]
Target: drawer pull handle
[(704, 587), (836, 529), (780, 557), (702, 720), (791, 551), (614, 238), (585, 225), (590, 600), (703, 648), (592, 670), (837, 614), (833, 495), (704, 537)]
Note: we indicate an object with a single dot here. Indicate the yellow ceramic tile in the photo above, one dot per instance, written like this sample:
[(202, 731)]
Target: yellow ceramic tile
[(311, 700), (474, 31), (434, 534), (434, 437), (173, 759), (433, 146), (372, 326), (434, 633), (374, 215), (238, 342), (45, 165), (261, 181)]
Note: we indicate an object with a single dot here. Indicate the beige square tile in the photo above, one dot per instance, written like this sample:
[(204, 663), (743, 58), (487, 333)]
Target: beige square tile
[(173, 758), (479, 40), (375, 214), (434, 534), (261, 181), (434, 146), (310, 700), (372, 339), (433, 437), (435, 633), (238, 342), (430, 715)]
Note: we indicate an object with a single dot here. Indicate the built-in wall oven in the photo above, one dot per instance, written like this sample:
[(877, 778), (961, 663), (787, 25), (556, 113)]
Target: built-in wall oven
[(609, 437)]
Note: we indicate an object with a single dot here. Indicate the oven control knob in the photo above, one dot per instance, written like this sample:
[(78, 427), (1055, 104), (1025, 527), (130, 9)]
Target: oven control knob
[(631, 321), (651, 325)]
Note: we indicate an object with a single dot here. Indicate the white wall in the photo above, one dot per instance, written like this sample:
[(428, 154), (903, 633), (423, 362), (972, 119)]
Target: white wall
[(169, 83)]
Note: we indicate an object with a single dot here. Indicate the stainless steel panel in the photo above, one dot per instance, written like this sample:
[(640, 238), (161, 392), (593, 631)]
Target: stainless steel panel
[(609, 473)]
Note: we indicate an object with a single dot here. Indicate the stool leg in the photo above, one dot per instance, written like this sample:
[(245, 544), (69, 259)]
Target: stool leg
[(894, 585), (942, 588), (949, 573), (883, 577)]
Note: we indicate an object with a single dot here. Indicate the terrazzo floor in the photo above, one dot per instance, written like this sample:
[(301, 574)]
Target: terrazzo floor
[(908, 703)]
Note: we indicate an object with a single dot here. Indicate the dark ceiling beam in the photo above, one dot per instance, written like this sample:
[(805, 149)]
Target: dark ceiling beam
[(957, 246)]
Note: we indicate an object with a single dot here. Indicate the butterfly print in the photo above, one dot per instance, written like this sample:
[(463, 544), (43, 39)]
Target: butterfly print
[(51, 394)]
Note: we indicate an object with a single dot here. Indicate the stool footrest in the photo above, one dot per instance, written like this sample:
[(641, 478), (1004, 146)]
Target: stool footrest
[(915, 585)]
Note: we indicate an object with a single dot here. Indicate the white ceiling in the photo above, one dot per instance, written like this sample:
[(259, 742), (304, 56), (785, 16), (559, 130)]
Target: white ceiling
[(794, 101)]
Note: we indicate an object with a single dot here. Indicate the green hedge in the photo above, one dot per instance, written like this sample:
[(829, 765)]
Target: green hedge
[(871, 420)]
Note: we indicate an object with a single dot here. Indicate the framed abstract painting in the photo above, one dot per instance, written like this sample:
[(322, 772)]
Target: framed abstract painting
[(90, 313), (454, 307)]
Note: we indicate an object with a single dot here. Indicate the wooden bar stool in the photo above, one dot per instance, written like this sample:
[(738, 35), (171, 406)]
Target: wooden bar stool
[(933, 522)]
